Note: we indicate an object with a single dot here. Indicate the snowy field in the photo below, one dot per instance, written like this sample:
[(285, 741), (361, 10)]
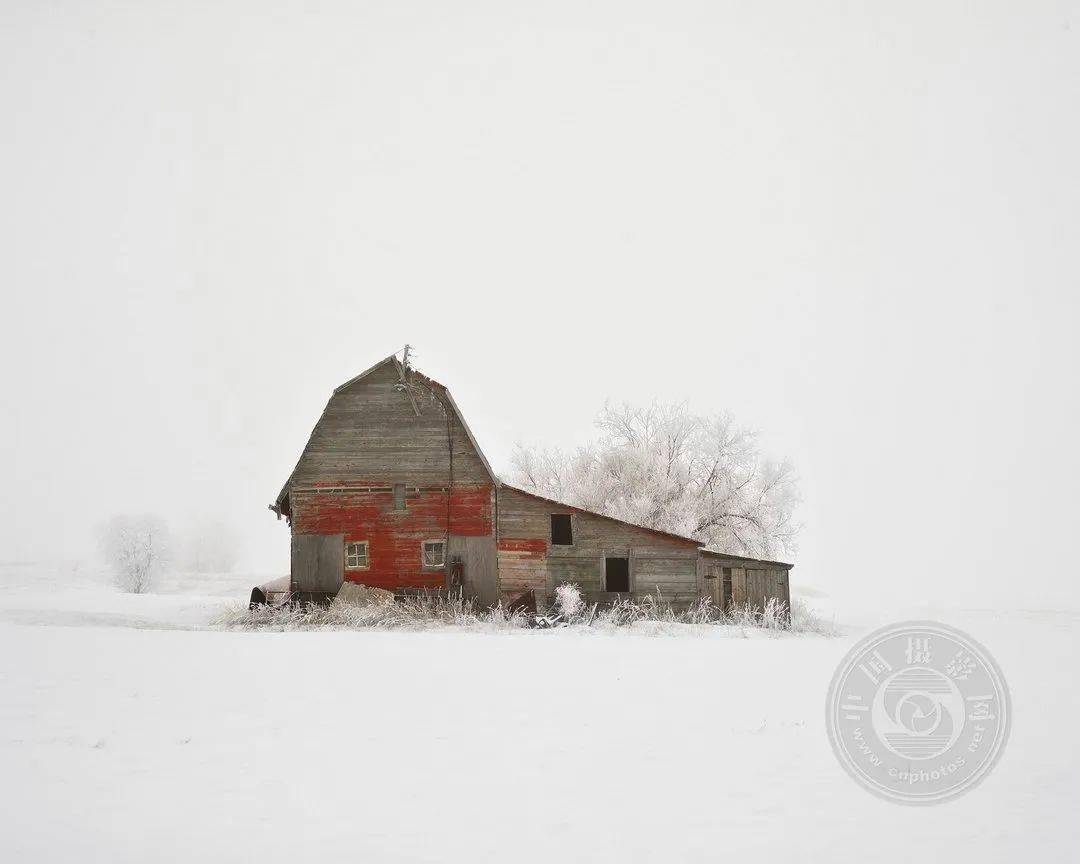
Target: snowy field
[(132, 731)]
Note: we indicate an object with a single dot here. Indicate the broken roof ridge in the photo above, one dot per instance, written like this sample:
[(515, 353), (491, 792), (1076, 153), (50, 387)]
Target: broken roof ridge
[(401, 369)]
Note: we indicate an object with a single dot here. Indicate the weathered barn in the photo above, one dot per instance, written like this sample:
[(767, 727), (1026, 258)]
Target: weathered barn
[(392, 491)]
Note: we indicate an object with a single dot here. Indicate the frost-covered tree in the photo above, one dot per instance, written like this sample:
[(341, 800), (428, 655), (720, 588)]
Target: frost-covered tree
[(137, 549), (666, 468)]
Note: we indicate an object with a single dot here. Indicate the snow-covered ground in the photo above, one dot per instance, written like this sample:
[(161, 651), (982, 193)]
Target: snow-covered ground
[(131, 731)]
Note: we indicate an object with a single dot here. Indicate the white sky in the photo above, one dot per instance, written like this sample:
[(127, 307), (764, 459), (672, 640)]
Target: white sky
[(853, 225)]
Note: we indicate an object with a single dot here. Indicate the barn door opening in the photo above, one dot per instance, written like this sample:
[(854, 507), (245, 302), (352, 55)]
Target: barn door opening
[(726, 595), (617, 574), (477, 556)]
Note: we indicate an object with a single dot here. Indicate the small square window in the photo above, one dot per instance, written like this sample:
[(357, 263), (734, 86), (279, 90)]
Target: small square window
[(356, 556), (562, 530), (434, 553)]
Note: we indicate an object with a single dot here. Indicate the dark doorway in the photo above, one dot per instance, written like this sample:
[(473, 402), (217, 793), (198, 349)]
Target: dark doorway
[(617, 574), (727, 588)]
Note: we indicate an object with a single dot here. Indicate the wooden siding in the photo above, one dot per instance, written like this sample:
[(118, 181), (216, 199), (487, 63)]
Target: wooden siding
[(527, 560), (753, 583), (369, 440), (394, 536), (754, 586), (369, 434)]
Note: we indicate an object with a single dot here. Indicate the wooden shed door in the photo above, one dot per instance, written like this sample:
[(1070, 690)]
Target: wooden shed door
[(738, 586), (318, 562), (755, 588), (716, 585), (478, 560)]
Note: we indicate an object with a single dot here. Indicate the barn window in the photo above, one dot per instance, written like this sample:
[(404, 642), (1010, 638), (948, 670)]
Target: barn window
[(617, 574), (356, 556), (562, 530), (399, 496), (434, 553)]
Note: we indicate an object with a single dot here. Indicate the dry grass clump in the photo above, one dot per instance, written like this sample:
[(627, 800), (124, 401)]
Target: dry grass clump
[(569, 609), (415, 612), (428, 611)]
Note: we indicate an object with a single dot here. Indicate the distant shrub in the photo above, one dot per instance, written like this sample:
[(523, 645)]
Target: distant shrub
[(804, 619), (136, 548)]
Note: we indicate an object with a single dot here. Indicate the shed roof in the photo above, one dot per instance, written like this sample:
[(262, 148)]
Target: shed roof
[(726, 557), (689, 540), (572, 508)]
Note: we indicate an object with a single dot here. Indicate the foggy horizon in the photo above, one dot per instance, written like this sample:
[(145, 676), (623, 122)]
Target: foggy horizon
[(856, 233)]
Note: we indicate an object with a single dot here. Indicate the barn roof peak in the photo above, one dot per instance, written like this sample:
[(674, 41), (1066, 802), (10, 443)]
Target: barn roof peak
[(404, 370), (391, 359)]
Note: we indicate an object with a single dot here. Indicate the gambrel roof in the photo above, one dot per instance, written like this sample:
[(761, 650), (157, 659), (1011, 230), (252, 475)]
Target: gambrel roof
[(431, 382)]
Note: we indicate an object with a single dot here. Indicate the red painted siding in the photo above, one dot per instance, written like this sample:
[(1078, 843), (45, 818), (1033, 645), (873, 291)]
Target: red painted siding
[(394, 537), (526, 548)]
